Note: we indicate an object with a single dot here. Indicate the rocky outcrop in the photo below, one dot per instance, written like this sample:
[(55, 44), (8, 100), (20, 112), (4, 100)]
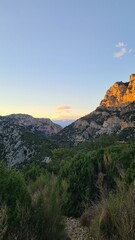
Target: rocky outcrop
[(43, 126), (76, 231), (120, 93), (18, 145), (14, 150)]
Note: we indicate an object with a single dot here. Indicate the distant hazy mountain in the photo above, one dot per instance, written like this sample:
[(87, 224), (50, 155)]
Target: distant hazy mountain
[(116, 114), (64, 123)]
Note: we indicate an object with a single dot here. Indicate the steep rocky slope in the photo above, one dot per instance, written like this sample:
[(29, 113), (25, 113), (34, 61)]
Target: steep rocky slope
[(115, 114), (24, 138), (19, 145)]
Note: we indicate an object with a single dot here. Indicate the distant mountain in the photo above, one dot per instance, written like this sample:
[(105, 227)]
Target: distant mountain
[(64, 123), (43, 126), (115, 115)]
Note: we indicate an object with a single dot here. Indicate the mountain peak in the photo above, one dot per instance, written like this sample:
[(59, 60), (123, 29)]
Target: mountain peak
[(132, 77), (120, 93)]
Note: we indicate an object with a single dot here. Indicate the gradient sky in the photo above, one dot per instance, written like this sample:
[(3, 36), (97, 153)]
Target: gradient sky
[(58, 57)]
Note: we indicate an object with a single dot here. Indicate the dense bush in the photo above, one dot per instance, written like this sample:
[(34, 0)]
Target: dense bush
[(79, 174), (15, 206), (87, 171), (130, 173), (29, 212)]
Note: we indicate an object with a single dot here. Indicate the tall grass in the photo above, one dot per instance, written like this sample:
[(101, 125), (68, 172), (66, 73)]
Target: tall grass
[(114, 217), (45, 197), (3, 220), (24, 231)]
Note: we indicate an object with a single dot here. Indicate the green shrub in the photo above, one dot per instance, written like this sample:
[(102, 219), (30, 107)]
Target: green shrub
[(45, 196), (130, 173), (17, 218), (3, 221), (80, 178)]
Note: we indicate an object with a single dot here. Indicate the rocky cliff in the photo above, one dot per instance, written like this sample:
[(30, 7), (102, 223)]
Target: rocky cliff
[(120, 93), (115, 114)]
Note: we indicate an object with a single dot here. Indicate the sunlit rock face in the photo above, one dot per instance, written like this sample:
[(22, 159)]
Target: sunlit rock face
[(120, 93)]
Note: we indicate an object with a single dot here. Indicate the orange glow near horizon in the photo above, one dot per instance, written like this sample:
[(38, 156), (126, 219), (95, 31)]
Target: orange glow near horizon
[(56, 117), (40, 114), (62, 112)]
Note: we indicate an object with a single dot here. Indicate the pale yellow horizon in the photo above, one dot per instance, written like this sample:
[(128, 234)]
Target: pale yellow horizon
[(39, 114), (62, 112)]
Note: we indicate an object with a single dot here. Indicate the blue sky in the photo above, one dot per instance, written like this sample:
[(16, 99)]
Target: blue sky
[(58, 57)]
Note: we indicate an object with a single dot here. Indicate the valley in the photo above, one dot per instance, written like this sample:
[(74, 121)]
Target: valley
[(78, 172)]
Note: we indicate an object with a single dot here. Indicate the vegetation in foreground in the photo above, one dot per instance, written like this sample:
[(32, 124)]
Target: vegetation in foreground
[(29, 210), (34, 198)]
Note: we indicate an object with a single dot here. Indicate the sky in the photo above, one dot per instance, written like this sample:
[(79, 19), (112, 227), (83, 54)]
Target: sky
[(58, 57)]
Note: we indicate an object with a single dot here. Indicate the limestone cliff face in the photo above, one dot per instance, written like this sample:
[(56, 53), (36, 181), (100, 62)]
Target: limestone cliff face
[(120, 93)]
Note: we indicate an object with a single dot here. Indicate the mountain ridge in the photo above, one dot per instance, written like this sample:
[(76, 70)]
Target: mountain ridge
[(43, 126)]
